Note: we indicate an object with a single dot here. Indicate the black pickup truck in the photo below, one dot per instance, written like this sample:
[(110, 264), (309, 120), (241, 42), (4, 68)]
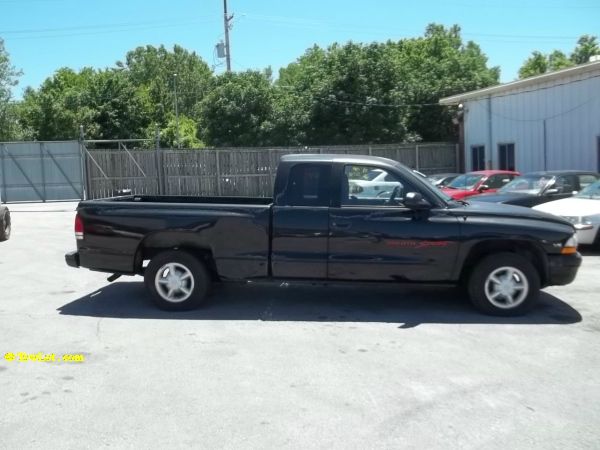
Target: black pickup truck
[(333, 218)]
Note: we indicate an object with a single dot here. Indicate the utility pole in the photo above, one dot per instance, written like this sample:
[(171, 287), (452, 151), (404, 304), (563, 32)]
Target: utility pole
[(226, 20), (176, 110)]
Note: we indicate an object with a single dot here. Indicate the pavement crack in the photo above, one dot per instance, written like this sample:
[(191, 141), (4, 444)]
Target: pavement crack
[(98, 329)]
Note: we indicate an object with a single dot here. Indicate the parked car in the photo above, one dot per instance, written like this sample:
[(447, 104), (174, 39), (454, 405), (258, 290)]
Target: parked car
[(421, 174), (374, 183), (582, 210), (474, 183), (442, 179), (314, 228), (5, 224), (540, 187)]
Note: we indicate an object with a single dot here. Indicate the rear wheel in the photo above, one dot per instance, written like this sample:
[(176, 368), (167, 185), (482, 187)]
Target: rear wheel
[(504, 284), (5, 227), (177, 281)]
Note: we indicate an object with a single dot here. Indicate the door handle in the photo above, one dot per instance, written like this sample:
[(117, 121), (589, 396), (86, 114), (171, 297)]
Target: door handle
[(341, 225)]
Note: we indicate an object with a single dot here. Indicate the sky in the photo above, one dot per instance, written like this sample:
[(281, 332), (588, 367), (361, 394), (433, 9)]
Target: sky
[(44, 35)]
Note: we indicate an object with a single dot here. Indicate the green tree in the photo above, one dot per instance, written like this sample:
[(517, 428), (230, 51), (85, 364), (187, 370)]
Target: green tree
[(237, 110), (105, 102), (558, 60), (438, 65), (342, 95), (587, 46), (152, 70), (8, 79), (539, 63), (536, 64), (188, 133), (357, 93)]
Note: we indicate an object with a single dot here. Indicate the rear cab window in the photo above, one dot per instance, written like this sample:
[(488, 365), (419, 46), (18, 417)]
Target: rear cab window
[(307, 185)]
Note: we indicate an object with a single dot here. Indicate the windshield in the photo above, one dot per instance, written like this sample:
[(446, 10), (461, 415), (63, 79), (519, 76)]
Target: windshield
[(437, 176), (592, 191), (527, 184), (466, 181), (373, 174)]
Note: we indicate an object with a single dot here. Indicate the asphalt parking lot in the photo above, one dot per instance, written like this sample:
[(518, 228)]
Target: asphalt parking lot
[(276, 367)]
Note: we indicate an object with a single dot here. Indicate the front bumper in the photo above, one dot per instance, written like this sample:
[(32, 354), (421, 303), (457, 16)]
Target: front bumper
[(72, 259), (562, 269)]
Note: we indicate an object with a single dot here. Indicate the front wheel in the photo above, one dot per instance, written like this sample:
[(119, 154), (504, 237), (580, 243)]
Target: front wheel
[(177, 281), (5, 227), (504, 284)]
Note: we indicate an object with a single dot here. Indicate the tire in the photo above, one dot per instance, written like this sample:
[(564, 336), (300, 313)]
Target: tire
[(491, 285), (596, 243), (5, 227), (188, 290)]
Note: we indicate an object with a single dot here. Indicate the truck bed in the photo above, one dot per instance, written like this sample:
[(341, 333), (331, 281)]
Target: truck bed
[(234, 230)]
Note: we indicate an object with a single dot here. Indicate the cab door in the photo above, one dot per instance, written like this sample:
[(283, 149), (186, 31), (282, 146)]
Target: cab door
[(374, 237), (300, 224)]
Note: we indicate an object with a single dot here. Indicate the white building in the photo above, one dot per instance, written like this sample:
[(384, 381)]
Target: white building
[(547, 122)]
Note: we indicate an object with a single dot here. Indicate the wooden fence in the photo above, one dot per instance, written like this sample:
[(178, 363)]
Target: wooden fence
[(231, 171)]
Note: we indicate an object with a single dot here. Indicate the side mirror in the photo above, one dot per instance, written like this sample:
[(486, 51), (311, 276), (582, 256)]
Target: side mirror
[(483, 187), (414, 200)]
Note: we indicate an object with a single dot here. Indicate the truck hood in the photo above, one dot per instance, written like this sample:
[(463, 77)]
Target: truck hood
[(508, 211)]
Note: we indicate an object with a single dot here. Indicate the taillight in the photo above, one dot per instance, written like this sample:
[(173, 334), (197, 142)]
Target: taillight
[(78, 227)]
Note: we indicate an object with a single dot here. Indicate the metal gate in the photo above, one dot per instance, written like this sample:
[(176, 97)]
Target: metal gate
[(40, 171)]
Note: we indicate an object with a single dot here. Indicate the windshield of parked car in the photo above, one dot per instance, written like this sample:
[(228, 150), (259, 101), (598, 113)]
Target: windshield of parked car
[(372, 174), (437, 176), (466, 181), (592, 191), (527, 184)]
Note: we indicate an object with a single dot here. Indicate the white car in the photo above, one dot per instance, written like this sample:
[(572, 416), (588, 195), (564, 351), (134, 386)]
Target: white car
[(379, 184), (582, 210)]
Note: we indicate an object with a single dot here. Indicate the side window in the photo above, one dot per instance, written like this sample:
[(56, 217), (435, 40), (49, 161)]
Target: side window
[(358, 188), (506, 155), (477, 157), (497, 181), (565, 184), (308, 185), (586, 180)]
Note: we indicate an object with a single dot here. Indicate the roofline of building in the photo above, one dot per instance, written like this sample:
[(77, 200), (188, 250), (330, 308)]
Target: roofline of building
[(501, 88)]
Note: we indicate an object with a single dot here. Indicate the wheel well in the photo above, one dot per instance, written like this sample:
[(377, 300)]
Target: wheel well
[(204, 255), (525, 249)]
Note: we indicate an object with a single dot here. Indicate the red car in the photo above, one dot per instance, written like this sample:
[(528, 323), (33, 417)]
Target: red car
[(474, 183)]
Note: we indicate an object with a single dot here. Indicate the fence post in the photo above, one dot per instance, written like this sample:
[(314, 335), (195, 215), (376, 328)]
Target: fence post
[(83, 163), (457, 154), (370, 151), (43, 170), (218, 167), (5, 195), (417, 156), (159, 163)]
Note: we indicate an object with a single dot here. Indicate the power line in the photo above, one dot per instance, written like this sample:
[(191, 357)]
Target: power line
[(375, 105), (108, 31), (312, 23), (103, 25)]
